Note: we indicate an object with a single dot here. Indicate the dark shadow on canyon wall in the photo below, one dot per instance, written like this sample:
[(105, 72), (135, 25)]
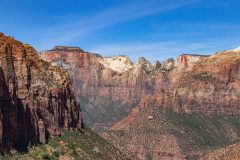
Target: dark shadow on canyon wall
[(17, 124)]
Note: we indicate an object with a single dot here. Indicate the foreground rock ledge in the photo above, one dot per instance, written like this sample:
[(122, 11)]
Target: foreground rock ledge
[(35, 98)]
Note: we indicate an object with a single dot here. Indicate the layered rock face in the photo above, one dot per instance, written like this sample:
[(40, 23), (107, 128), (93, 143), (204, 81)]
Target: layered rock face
[(191, 84), (114, 77), (35, 97), (210, 87), (195, 87)]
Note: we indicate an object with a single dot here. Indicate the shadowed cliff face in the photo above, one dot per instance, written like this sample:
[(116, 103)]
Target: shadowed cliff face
[(35, 97)]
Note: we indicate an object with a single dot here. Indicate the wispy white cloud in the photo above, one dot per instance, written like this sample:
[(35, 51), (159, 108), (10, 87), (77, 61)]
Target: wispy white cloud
[(69, 31), (78, 28)]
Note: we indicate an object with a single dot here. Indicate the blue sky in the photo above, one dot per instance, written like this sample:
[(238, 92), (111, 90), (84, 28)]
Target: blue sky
[(155, 29)]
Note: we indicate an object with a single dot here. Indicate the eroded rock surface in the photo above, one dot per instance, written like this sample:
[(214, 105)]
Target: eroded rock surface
[(189, 84), (35, 97), (195, 87), (113, 77)]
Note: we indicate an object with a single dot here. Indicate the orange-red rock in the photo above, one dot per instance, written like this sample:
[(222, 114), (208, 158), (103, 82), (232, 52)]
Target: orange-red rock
[(35, 97), (191, 84)]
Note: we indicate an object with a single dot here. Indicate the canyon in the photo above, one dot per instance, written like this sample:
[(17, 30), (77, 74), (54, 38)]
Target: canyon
[(40, 117), (119, 80), (190, 84), (176, 109), (190, 105)]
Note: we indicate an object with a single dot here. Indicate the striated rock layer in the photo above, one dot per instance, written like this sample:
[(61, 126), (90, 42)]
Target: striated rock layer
[(116, 77), (94, 75), (189, 84), (195, 87), (35, 97), (210, 87)]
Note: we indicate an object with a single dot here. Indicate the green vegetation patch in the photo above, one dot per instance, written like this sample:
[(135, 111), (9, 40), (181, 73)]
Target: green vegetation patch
[(79, 145)]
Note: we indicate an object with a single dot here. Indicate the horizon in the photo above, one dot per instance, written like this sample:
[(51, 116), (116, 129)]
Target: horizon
[(155, 30), (121, 55)]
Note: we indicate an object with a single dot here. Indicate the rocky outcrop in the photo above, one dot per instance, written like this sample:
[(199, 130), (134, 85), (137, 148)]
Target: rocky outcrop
[(201, 84), (187, 61), (195, 87), (35, 97), (210, 87), (191, 84), (113, 77), (118, 64)]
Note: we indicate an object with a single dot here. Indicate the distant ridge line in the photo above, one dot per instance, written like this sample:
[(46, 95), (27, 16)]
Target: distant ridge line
[(201, 55)]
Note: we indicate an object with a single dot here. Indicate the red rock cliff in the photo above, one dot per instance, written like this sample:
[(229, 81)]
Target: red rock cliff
[(191, 84), (35, 97), (211, 87), (114, 77)]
